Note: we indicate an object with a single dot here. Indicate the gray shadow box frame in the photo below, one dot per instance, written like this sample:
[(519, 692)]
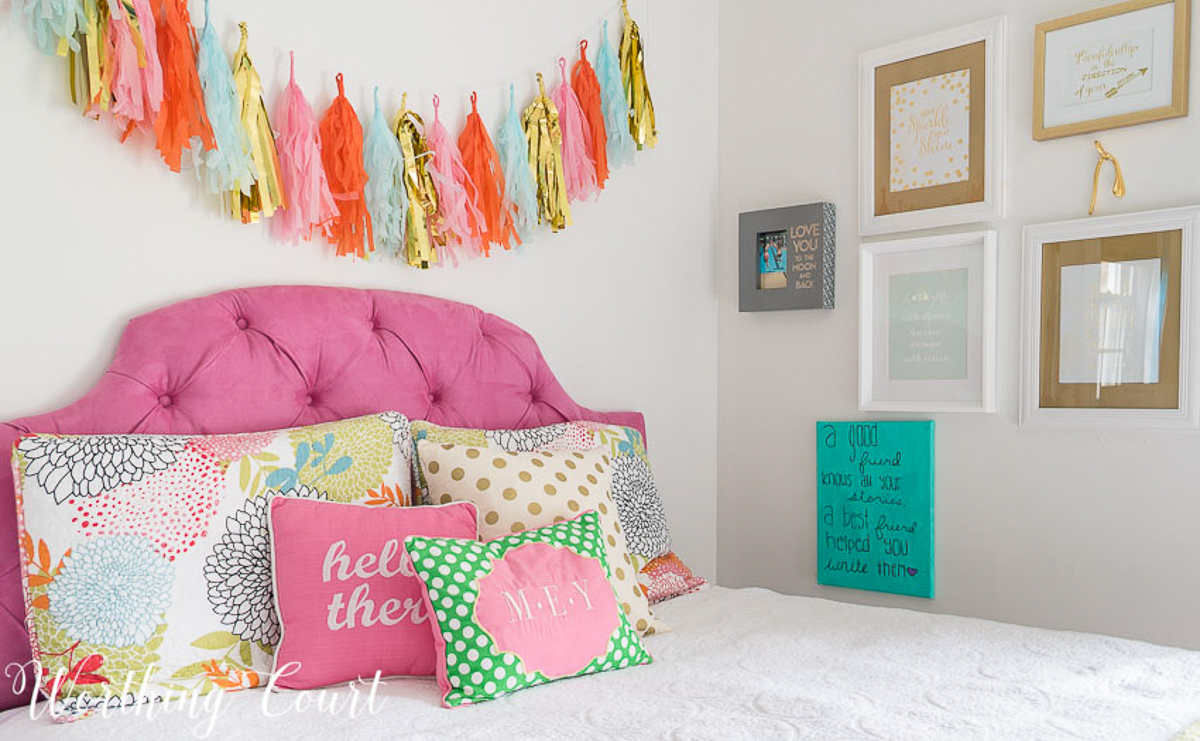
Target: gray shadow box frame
[(753, 223)]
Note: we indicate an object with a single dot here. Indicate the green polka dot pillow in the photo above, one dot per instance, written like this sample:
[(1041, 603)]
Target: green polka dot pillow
[(522, 610)]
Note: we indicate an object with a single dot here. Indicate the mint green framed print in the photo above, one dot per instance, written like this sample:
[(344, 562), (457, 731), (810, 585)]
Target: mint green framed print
[(927, 324)]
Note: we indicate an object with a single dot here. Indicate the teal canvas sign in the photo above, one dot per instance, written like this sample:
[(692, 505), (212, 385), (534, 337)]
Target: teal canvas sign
[(875, 506)]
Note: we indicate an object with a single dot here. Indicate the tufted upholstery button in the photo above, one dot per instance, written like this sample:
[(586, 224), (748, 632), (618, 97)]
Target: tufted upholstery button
[(164, 401), (308, 401), (242, 322)]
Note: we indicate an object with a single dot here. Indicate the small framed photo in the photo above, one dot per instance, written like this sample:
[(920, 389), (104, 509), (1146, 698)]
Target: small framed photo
[(931, 138), (787, 258), (1117, 66), (927, 324), (1108, 317)]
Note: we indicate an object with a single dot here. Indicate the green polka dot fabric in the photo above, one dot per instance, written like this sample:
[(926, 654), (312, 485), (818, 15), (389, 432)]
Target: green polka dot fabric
[(490, 643)]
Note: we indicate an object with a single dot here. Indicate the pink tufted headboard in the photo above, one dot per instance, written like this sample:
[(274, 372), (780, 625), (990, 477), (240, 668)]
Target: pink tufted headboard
[(280, 356)]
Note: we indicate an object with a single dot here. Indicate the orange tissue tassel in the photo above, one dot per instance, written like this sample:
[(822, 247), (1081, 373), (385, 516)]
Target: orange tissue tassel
[(486, 182), (182, 117), (587, 89), (342, 154)]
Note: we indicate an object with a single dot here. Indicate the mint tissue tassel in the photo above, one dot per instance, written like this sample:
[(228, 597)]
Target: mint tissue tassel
[(616, 109), (386, 198), (51, 24), (519, 186), (228, 167)]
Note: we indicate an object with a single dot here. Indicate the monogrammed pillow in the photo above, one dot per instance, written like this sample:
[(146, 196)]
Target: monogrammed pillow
[(148, 556), (348, 600), (522, 610), (515, 492)]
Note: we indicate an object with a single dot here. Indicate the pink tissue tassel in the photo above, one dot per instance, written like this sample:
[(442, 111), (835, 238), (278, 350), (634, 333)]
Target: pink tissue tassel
[(298, 139), (137, 89), (460, 216), (578, 165)]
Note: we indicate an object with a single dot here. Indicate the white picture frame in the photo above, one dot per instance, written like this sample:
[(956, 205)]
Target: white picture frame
[(936, 353), (950, 205), (1037, 238)]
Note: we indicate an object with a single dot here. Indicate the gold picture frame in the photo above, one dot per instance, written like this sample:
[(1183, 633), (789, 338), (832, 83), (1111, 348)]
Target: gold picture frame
[(1106, 71), (1163, 248), (1109, 317)]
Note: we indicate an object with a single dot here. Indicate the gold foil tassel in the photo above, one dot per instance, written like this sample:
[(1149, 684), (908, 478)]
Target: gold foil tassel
[(266, 195), (90, 86), (544, 136), (637, 90), (419, 246)]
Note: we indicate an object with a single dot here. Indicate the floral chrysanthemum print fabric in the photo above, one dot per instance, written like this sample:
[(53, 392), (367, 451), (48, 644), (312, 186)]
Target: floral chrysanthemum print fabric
[(239, 570), (634, 491), (111, 590), (86, 466), (149, 556)]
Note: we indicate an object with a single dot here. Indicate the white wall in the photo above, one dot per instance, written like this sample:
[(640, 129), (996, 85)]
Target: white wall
[(1073, 529), (622, 304)]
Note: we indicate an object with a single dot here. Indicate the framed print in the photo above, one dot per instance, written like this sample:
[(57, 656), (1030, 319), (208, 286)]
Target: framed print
[(1107, 321), (1117, 66), (927, 324), (786, 258), (931, 139)]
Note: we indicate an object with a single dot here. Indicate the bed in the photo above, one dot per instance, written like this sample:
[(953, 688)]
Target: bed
[(739, 663)]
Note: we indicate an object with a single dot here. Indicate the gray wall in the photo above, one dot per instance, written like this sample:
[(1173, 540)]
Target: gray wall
[(1075, 529)]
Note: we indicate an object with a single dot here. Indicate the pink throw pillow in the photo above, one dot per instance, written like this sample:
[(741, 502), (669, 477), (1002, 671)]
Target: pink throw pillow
[(348, 599)]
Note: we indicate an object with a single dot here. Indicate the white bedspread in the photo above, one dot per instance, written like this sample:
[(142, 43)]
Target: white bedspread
[(750, 663)]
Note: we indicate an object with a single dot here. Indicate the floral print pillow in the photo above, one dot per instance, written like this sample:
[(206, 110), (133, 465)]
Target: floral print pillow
[(667, 577), (639, 507), (147, 557)]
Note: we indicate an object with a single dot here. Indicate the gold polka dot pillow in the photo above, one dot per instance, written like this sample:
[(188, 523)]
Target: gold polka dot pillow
[(515, 492)]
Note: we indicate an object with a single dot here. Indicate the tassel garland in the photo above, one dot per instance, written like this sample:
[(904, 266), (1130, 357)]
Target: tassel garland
[(418, 190), (519, 187), (342, 153), (616, 110), (228, 167), (587, 89), (182, 117), (310, 205), (386, 199), (421, 233), (459, 216), (266, 194), (637, 90), (578, 165), (485, 180), (544, 137)]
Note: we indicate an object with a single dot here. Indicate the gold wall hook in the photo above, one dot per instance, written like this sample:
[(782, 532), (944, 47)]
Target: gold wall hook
[(1118, 188)]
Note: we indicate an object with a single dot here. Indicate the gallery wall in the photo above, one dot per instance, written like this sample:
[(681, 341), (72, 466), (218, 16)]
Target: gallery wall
[(1062, 528), (622, 303)]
